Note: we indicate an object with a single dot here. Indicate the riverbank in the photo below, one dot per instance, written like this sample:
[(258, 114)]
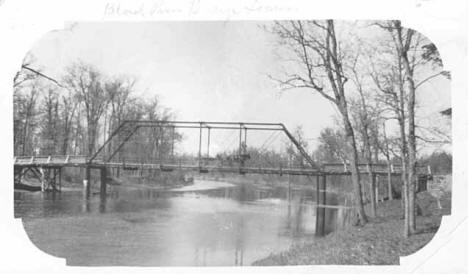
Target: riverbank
[(379, 242)]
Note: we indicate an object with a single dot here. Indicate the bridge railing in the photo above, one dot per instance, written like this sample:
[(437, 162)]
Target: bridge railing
[(174, 162), (50, 160), (377, 167)]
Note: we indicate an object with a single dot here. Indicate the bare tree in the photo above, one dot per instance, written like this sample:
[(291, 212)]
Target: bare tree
[(390, 81), (385, 149), (26, 74), (365, 117), (26, 118), (68, 111), (50, 123), (119, 91), (87, 83), (331, 147), (405, 46), (320, 57)]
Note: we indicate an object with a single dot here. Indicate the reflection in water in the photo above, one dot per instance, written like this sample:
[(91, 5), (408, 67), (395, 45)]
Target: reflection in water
[(131, 226)]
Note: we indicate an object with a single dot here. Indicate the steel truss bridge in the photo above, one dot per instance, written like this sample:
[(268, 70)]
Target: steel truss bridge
[(48, 169)]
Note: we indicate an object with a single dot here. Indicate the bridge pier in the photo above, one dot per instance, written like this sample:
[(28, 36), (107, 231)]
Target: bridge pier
[(321, 183), (103, 181), (376, 190), (87, 181)]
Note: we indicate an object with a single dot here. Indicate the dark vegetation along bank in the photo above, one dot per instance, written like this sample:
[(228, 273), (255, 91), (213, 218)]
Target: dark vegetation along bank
[(380, 241)]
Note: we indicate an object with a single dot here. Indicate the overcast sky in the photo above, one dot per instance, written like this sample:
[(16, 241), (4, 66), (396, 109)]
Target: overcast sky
[(203, 71)]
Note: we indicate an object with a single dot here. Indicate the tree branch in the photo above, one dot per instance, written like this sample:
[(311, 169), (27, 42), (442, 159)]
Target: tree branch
[(42, 75)]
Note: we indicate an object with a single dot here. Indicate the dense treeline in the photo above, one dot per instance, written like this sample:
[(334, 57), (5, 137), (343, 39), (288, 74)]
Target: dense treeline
[(79, 111)]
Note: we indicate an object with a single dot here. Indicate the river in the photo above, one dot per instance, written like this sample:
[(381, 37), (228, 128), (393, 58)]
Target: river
[(206, 224)]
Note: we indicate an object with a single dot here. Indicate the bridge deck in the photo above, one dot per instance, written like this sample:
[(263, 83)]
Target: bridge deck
[(82, 161)]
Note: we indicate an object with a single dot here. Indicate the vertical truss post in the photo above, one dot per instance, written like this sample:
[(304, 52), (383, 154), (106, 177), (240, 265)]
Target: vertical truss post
[(241, 159), (172, 142), (208, 146), (245, 137), (240, 140), (161, 140), (200, 146)]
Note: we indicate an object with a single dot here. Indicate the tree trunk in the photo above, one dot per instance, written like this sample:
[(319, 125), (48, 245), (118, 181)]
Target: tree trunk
[(412, 176), (371, 177), (92, 128), (372, 187), (403, 49), (389, 164), (389, 179), (368, 152), (353, 158)]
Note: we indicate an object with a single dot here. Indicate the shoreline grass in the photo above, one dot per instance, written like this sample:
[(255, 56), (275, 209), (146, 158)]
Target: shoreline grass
[(380, 242)]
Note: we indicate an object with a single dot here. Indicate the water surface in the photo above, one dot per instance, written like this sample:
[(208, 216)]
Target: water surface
[(207, 224)]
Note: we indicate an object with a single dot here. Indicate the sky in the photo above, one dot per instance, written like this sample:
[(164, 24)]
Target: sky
[(202, 71)]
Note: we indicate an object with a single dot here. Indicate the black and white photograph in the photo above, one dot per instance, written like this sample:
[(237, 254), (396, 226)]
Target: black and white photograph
[(231, 142)]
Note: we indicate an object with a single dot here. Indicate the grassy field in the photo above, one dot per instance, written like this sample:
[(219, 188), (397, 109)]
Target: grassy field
[(379, 242)]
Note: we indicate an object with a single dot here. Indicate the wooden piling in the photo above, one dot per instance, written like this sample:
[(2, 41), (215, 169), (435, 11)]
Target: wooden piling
[(60, 180), (103, 181), (87, 181), (43, 179), (377, 181), (320, 210)]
